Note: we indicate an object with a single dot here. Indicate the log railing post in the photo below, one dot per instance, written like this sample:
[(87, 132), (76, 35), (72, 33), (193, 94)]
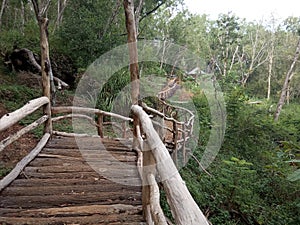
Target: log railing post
[(100, 125), (45, 66), (184, 143), (148, 168), (175, 139), (183, 207), (124, 127)]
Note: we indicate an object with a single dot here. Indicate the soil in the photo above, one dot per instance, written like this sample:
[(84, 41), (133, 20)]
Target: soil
[(13, 153)]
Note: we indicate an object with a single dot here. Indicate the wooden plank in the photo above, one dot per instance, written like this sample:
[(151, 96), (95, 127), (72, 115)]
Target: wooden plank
[(68, 189), (119, 175), (34, 182), (21, 165), (86, 220), (103, 210), (10, 119), (72, 199), (112, 167)]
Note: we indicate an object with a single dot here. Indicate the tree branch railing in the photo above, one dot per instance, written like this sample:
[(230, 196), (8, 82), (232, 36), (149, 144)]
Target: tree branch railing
[(155, 161), (173, 133), (12, 118), (8, 120), (121, 123)]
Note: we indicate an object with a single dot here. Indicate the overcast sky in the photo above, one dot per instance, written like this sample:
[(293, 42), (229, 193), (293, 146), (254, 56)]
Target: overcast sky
[(249, 9)]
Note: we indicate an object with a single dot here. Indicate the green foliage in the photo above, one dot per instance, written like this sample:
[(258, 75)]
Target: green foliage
[(256, 169), (4, 171), (15, 96)]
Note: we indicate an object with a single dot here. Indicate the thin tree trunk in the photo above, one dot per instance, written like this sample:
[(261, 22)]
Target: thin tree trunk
[(2, 11), (137, 15), (46, 68), (47, 76), (271, 57), (286, 83), (132, 45), (61, 5), (22, 17), (133, 60)]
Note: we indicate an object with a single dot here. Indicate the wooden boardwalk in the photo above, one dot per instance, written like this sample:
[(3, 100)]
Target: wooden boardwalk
[(61, 185)]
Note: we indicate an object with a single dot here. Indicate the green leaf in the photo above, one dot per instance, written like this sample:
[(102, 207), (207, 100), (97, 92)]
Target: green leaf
[(294, 176)]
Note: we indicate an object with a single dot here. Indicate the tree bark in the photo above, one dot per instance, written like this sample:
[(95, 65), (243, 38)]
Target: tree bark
[(183, 207), (21, 132), (271, 57), (286, 83), (137, 15), (2, 11), (10, 119), (46, 68), (47, 75), (133, 53), (61, 5), (24, 162), (133, 60)]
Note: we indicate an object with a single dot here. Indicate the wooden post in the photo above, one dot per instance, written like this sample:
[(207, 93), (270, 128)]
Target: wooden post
[(47, 76), (45, 66), (183, 144), (175, 139), (124, 129), (183, 207), (100, 125), (133, 56), (148, 168)]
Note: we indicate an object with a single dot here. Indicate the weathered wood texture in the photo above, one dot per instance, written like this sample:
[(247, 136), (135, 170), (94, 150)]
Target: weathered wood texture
[(183, 207), (7, 141), (10, 119), (21, 165), (60, 186)]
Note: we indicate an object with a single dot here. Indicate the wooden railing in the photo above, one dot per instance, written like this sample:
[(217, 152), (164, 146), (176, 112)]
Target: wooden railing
[(155, 161), (121, 123), (9, 120), (153, 148), (174, 133)]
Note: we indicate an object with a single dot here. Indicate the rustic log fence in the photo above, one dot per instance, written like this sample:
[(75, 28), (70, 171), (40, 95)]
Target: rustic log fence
[(121, 123), (12, 118), (180, 131), (154, 147), (156, 160)]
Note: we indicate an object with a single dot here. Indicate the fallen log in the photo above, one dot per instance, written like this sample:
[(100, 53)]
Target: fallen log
[(25, 60)]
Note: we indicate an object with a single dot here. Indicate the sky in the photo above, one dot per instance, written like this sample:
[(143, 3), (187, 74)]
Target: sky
[(250, 9)]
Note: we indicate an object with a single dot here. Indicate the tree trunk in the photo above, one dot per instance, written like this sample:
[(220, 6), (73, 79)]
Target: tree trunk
[(286, 83), (132, 46), (61, 5), (137, 15), (133, 60), (271, 57), (2, 11), (47, 76), (22, 17), (45, 65)]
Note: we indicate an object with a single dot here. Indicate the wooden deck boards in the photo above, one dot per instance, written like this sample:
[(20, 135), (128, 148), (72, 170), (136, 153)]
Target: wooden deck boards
[(65, 185)]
